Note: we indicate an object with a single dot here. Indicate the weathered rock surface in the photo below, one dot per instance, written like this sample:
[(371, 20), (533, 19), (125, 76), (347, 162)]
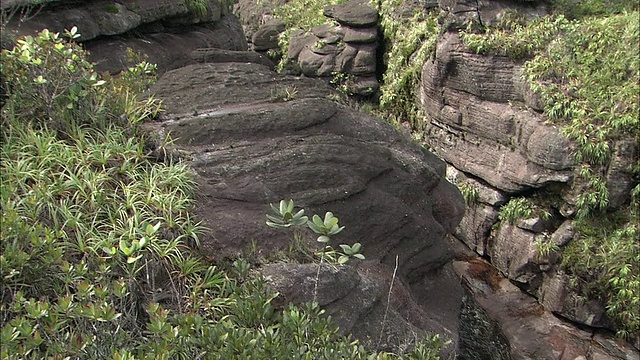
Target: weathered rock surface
[(103, 18), (487, 124), (558, 296), (266, 37), (348, 49), (167, 31), (475, 128), (356, 299), (355, 13), (253, 14), (251, 150), (167, 50), (249, 147), (345, 53), (215, 55), (529, 331)]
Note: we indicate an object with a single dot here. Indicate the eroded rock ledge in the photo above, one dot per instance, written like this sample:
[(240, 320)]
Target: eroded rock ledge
[(254, 137)]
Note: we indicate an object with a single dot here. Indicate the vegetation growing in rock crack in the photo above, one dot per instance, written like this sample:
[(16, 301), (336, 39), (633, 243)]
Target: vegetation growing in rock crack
[(469, 192), (409, 41), (98, 243), (587, 76), (198, 7)]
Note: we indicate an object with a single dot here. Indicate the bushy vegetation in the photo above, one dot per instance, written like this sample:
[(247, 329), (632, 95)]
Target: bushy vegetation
[(469, 192), (605, 262), (98, 239), (409, 41), (586, 72), (198, 7)]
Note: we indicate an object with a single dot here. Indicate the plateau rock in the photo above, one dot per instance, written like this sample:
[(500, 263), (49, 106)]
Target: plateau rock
[(164, 31), (254, 137)]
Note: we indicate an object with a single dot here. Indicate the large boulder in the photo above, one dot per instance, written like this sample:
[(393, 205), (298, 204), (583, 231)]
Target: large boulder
[(254, 137), (357, 299)]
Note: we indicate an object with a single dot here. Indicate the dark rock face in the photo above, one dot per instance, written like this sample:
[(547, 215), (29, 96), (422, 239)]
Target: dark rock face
[(166, 31), (249, 150), (358, 13), (266, 37), (530, 331), (167, 50), (249, 147), (356, 299)]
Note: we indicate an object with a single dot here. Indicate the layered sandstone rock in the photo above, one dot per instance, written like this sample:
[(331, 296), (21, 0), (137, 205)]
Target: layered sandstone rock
[(166, 31), (254, 137)]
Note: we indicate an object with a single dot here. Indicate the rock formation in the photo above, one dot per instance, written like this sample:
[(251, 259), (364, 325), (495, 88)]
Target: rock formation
[(254, 136), (344, 50), (485, 122), (165, 31)]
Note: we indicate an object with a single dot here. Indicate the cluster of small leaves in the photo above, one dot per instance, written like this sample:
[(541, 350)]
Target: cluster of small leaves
[(409, 42), (516, 208), (469, 192), (343, 82), (578, 9), (606, 259), (198, 7), (283, 216)]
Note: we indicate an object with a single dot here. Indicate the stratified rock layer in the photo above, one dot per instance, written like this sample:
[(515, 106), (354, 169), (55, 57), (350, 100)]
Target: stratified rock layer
[(254, 137)]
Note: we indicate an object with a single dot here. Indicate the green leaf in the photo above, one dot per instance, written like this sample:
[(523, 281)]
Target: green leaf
[(125, 248), (343, 259), (323, 239), (346, 249)]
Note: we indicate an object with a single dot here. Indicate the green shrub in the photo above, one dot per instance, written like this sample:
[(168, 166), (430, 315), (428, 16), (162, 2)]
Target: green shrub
[(198, 7), (514, 38), (605, 261), (408, 43), (97, 240), (516, 208), (577, 9), (469, 193)]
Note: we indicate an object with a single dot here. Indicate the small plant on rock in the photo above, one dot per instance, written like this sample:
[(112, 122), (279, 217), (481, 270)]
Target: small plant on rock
[(469, 193), (283, 216), (516, 208)]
